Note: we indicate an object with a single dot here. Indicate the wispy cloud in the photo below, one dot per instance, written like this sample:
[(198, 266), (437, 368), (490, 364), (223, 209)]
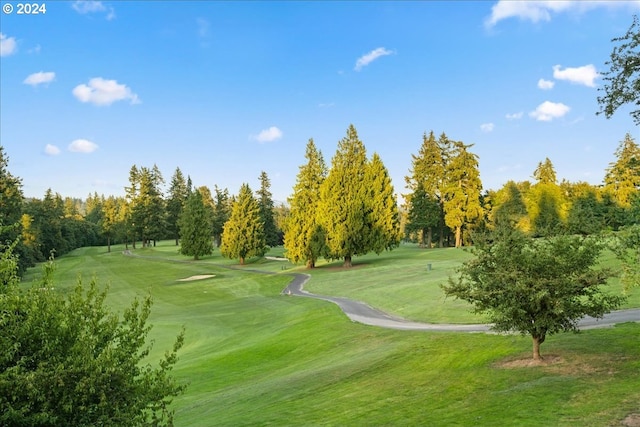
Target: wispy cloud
[(203, 27), (268, 135), (93, 6), (514, 116), (536, 11), (8, 45), (39, 78), (487, 127), (326, 104), (368, 58), (548, 111), (51, 150), (585, 75), (82, 146), (104, 92), (545, 84)]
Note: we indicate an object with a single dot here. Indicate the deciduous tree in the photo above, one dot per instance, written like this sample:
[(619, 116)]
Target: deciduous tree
[(622, 80), (67, 360), (535, 286)]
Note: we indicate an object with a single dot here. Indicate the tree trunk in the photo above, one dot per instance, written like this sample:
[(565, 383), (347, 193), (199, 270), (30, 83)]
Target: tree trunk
[(241, 260), (458, 236), (422, 234), (109, 244), (536, 347), (429, 237), (311, 263), (347, 261), (176, 241)]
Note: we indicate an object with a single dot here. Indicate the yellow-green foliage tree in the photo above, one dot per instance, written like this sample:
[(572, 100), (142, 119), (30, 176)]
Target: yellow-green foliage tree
[(462, 190), (243, 234), (622, 179), (304, 238)]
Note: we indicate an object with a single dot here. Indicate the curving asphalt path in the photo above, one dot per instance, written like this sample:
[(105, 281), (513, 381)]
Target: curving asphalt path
[(363, 313)]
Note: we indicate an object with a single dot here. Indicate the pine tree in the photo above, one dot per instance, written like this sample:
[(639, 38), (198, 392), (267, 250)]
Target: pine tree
[(148, 210), (221, 213), (265, 202), (304, 239), (508, 206), (462, 191), (383, 207), (425, 180), (545, 173), (195, 228), (175, 203), (243, 234), (622, 178), (342, 211)]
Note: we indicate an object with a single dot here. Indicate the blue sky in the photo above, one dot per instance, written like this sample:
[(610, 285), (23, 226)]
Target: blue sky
[(224, 90)]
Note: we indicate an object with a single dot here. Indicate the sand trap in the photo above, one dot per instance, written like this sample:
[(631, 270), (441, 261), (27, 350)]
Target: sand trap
[(198, 277)]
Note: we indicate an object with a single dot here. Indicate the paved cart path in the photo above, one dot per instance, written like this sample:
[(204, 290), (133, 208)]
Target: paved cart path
[(363, 313)]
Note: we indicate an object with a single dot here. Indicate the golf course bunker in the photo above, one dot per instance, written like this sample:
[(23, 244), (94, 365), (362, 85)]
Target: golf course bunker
[(197, 277)]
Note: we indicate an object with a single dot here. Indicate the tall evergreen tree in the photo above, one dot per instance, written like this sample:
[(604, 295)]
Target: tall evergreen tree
[(425, 181), (178, 194), (265, 201), (508, 206), (343, 208), (195, 228), (462, 190), (622, 178), (221, 213), (383, 207), (304, 238), (243, 234), (545, 173), (148, 210)]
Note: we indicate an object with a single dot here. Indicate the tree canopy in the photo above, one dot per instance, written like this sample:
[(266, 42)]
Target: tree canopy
[(243, 234), (534, 286), (304, 237), (67, 360), (195, 228), (622, 80)]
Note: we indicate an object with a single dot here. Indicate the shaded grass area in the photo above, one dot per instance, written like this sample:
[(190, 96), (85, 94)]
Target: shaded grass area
[(255, 357)]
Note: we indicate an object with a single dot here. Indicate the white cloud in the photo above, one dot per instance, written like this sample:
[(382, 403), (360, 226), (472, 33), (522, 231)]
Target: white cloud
[(536, 11), (548, 111), (8, 45), (487, 127), (82, 146), (92, 6), (326, 104), (51, 150), (104, 92), (514, 116), (41, 77), (368, 58), (584, 75), (268, 135), (545, 84)]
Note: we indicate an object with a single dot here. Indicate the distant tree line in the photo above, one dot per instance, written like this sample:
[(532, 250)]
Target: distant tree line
[(338, 211)]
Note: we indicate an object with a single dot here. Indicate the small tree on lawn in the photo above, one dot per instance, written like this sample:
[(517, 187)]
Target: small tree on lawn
[(534, 286)]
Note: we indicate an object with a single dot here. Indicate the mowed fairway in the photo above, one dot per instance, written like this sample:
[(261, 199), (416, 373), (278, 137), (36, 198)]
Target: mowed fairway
[(255, 357)]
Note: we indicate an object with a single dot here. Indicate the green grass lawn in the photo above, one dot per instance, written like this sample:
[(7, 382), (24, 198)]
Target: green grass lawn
[(255, 357)]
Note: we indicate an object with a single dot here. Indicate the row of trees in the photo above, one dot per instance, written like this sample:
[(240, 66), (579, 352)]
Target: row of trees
[(446, 196), (335, 212)]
